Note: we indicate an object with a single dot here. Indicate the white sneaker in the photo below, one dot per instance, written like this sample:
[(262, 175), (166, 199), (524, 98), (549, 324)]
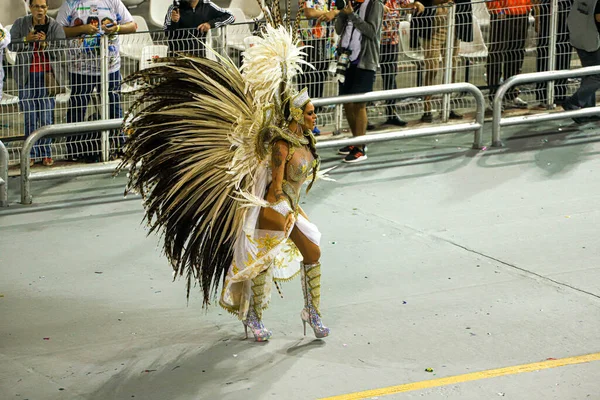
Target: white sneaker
[(519, 103)]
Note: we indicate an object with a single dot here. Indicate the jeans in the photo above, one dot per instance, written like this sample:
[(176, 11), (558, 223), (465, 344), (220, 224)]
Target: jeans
[(82, 87), (388, 60), (38, 110), (506, 50), (586, 94)]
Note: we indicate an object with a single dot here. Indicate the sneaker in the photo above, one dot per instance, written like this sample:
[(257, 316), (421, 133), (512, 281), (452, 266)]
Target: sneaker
[(519, 103), (47, 161), (356, 155), (455, 115), (344, 151), (567, 106), (395, 120), (427, 117), (316, 131)]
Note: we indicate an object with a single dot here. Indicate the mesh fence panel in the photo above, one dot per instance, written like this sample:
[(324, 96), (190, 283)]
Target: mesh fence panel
[(485, 48)]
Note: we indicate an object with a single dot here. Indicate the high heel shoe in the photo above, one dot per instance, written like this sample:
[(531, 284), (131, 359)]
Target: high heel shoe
[(261, 334), (311, 288)]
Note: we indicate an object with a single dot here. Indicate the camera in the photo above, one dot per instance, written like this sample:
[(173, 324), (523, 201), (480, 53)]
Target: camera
[(340, 4), (342, 64)]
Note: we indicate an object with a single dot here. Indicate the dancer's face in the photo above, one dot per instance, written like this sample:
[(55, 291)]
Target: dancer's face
[(310, 117)]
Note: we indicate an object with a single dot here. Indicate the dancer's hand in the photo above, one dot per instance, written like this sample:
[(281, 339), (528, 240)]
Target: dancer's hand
[(290, 220)]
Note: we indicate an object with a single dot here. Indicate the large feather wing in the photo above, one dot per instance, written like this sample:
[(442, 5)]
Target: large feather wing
[(191, 152)]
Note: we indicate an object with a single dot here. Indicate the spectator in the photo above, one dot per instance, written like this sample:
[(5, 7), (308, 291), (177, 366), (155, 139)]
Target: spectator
[(563, 47), (584, 31), (316, 33), (4, 41), (359, 27), (506, 52), (186, 26), (32, 38), (85, 67), (432, 28), (388, 59)]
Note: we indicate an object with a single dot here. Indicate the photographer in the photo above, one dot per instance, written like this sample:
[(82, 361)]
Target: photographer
[(187, 23), (35, 75), (359, 27)]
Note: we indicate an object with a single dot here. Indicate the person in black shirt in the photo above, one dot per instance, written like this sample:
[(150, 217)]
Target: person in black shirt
[(186, 26)]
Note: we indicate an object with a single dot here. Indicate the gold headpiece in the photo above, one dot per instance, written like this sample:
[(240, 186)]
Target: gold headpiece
[(297, 102)]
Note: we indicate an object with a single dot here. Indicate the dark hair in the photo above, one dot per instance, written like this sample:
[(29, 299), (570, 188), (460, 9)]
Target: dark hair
[(31, 2)]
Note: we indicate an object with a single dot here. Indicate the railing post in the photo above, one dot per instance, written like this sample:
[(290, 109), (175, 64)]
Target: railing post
[(26, 169), (3, 175), (104, 98), (448, 61), (553, 31)]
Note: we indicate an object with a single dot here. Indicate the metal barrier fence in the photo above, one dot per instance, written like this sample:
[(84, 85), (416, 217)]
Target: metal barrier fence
[(3, 175), (498, 121), (462, 42), (67, 129), (476, 127)]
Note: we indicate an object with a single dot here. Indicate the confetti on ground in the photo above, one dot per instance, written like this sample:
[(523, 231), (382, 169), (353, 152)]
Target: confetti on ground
[(46, 338), (428, 369)]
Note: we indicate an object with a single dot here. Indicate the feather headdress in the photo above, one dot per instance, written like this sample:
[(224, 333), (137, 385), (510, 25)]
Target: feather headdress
[(197, 139)]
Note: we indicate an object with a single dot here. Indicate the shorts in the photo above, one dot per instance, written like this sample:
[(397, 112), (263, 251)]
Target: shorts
[(357, 81)]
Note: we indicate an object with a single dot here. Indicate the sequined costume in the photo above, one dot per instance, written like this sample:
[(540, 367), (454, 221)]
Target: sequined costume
[(200, 153)]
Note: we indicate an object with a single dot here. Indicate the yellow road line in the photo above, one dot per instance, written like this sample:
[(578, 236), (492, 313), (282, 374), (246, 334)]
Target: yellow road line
[(452, 380)]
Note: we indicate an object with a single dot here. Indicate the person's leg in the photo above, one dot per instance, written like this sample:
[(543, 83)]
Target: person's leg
[(516, 26), (311, 282), (81, 88), (431, 50), (563, 50), (495, 54), (541, 61), (116, 111), (586, 94), (455, 61), (28, 108), (46, 117), (350, 111)]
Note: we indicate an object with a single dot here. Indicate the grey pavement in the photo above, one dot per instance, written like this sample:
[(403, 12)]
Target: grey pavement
[(434, 256)]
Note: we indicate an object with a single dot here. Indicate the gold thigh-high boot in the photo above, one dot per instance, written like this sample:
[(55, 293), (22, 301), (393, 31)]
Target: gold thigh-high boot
[(311, 287), (254, 317)]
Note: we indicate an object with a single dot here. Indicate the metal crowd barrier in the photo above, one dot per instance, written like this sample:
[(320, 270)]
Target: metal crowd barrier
[(83, 127), (499, 122), (62, 130), (3, 175), (476, 127)]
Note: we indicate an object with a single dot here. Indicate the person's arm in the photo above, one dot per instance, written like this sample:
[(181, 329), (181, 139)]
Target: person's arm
[(372, 26), (219, 17), (279, 153), (124, 23), (127, 27), (417, 7), (319, 15), (20, 39), (172, 19), (340, 23)]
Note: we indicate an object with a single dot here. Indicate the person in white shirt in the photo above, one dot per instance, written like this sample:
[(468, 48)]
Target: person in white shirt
[(4, 41), (88, 20)]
